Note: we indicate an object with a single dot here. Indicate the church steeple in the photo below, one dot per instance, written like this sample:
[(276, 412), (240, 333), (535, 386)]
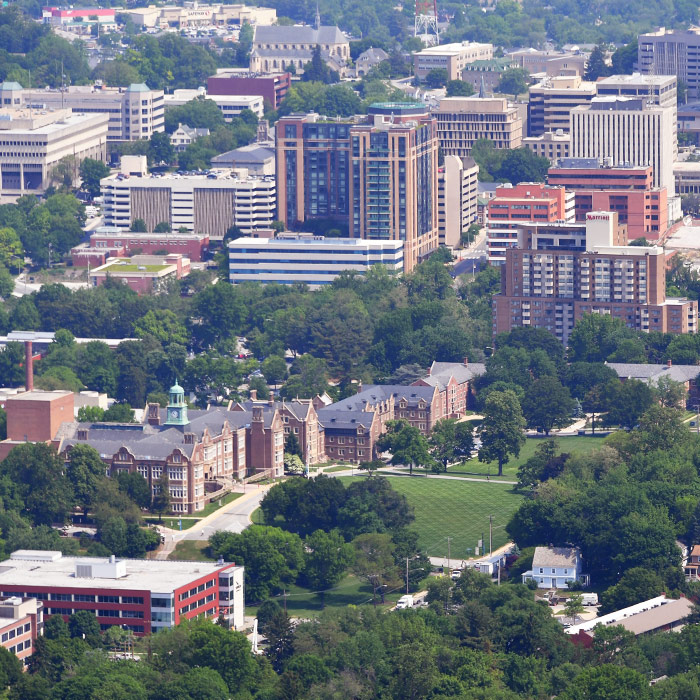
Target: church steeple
[(317, 22), (177, 408), (482, 88)]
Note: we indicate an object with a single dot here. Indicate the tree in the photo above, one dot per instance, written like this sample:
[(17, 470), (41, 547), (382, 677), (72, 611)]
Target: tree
[(135, 487), (161, 497), (636, 585), (113, 535), (595, 337), (501, 431), (596, 66), (374, 561), (84, 625), (162, 227), (274, 369), (85, 471), (547, 404), (292, 446), (522, 165), (459, 88), (371, 466), (138, 226), (407, 445), (11, 251), (326, 558), (627, 401), (160, 150), (513, 82), (91, 172), (436, 78), (608, 682), (119, 413), (670, 393), (450, 441), (316, 69), (573, 606), (271, 556)]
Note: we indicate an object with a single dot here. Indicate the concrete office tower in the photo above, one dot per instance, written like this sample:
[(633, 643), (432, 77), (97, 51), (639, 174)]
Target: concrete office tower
[(552, 100), (552, 145), (463, 120), (450, 57), (672, 52), (199, 203), (376, 175), (627, 130), (560, 271), (659, 90), (134, 113), (513, 206), (33, 142), (457, 198)]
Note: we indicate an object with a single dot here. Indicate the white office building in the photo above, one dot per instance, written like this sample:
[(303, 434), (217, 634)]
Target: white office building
[(458, 190), (32, 143), (208, 204), (450, 57), (134, 113), (230, 105), (627, 130), (304, 258)]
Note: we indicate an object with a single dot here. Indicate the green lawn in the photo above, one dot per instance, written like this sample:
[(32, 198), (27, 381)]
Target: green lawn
[(174, 523), (257, 517), (456, 509), (189, 521), (349, 591), (214, 505), (576, 444), (338, 468), (190, 550)]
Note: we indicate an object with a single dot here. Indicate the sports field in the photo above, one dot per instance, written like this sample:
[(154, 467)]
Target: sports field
[(456, 509)]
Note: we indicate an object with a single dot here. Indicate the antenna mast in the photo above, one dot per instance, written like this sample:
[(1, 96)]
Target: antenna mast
[(426, 22)]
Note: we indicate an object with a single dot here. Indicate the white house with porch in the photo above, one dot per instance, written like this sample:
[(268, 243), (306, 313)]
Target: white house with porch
[(556, 567)]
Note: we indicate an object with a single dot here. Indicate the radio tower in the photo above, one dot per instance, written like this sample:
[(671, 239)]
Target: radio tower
[(426, 26)]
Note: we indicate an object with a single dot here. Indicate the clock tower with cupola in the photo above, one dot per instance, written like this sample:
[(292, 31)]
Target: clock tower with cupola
[(177, 408)]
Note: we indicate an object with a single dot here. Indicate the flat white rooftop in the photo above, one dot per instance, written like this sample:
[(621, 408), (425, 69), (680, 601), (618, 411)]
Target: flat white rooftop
[(52, 570), (310, 240)]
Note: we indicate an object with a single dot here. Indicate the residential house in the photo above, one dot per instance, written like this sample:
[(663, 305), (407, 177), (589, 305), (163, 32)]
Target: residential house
[(685, 374), (184, 135), (556, 567), (692, 566), (368, 60)]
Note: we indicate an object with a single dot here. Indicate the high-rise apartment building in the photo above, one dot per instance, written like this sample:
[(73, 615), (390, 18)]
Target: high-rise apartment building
[(376, 175), (625, 189), (672, 52), (627, 130), (551, 101), (463, 120), (450, 57), (136, 112), (526, 202), (561, 271), (458, 190)]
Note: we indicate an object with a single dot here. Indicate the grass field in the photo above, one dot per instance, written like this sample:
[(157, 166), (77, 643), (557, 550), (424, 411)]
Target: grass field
[(576, 444), (459, 510), (174, 523), (190, 550), (349, 591)]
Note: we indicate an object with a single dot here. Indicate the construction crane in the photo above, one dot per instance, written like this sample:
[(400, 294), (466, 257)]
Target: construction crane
[(426, 22)]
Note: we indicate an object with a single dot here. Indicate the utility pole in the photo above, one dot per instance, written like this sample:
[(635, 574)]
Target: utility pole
[(449, 539), (490, 535), (406, 575)]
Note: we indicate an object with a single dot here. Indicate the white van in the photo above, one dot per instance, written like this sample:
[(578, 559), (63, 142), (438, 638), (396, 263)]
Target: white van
[(589, 598), (405, 601)]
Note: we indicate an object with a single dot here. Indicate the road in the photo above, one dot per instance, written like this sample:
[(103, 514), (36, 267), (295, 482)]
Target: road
[(469, 259)]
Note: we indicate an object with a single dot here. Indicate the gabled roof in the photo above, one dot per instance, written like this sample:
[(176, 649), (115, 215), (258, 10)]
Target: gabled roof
[(555, 556), (652, 373), (330, 419), (373, 55), (377, 393), (298, 35), (440, 373), (252, 153)]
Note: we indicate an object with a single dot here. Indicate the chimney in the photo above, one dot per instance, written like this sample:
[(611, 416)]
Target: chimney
[(112, 559), (253, 394), (669, 363), (153, 414), (257, 414), (28, 366), (359, 386), (465, 362), (271, 399)]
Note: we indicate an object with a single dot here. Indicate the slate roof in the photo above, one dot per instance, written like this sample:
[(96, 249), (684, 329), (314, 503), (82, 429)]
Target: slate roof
[(373, 55), (375, 393), (192, 132), (440, 373), (298, 35), (652, 373), (555, 556), (245, 154), (331, 418)]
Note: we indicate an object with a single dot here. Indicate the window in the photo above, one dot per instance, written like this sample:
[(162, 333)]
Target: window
[(132, 613), (132, 600), (80, 598), (108, 613), (108, 599)]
